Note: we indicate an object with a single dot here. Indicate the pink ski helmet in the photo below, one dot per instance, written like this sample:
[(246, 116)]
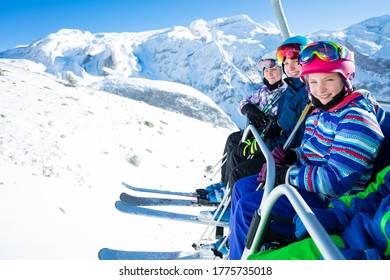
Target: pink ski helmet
[(327, 57)]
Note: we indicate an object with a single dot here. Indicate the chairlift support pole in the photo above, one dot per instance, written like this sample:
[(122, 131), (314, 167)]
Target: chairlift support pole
[(280, 18)]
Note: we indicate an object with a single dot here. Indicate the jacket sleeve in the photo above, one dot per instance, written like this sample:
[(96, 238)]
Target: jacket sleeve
[(255, 99)]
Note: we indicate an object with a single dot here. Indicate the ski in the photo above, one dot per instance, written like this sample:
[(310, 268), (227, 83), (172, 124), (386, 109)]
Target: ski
[(188, 194), (112, 254), (142, 211), (157, 201)]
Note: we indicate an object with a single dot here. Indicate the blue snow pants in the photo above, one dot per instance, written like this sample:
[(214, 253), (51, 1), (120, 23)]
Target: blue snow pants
[(246, 200)]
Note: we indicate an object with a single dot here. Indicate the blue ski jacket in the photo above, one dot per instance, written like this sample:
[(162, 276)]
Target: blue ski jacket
[(291, 104)]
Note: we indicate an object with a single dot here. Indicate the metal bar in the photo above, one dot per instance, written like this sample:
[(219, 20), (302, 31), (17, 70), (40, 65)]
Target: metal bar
[(281, 19), (321, 238)]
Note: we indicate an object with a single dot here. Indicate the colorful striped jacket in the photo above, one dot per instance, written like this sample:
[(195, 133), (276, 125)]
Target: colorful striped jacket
[(339, 147)]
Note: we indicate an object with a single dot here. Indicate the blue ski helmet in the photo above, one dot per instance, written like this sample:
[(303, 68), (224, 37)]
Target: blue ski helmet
[(291, 47), (297, 40)]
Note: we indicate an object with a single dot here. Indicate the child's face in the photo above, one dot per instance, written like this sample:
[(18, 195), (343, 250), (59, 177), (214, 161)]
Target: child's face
[(324, 86), (273, 75), (292, 67)]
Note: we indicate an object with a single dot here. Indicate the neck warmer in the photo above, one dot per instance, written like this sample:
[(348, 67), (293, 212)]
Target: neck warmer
[(335, 100), (272, 87)]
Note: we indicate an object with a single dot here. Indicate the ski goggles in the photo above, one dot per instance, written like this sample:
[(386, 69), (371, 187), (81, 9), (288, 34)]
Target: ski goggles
[(288, 50), (268, 63), (326, 51)]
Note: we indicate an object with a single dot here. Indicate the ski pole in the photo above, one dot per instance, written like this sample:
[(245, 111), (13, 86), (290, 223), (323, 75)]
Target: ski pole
[(296, 127), (275, 97), (222, 159)]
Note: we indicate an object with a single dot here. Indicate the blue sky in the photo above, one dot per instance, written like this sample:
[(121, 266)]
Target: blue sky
[(24, 21)]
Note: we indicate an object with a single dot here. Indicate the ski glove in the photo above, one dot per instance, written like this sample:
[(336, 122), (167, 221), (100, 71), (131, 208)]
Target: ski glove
[(255, 116), (281, 157), (263, 173), (280, 174), (284, 157), (249, 147), (273, 131), (332, 219)]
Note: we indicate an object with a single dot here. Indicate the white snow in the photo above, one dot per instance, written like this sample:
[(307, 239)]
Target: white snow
[(64, 152)]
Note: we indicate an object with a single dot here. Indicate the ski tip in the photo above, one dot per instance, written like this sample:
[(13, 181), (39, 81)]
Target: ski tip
[(101, 253), (124, 195)]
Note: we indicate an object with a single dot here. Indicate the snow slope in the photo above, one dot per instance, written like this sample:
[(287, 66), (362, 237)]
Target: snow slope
[(64, 152)]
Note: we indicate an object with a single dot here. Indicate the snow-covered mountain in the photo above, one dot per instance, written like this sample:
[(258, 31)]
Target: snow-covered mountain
[(218, 57)]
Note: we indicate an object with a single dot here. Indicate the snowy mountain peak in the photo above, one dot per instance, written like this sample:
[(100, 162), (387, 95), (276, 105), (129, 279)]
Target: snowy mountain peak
[(240, 25), (378, 25)]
